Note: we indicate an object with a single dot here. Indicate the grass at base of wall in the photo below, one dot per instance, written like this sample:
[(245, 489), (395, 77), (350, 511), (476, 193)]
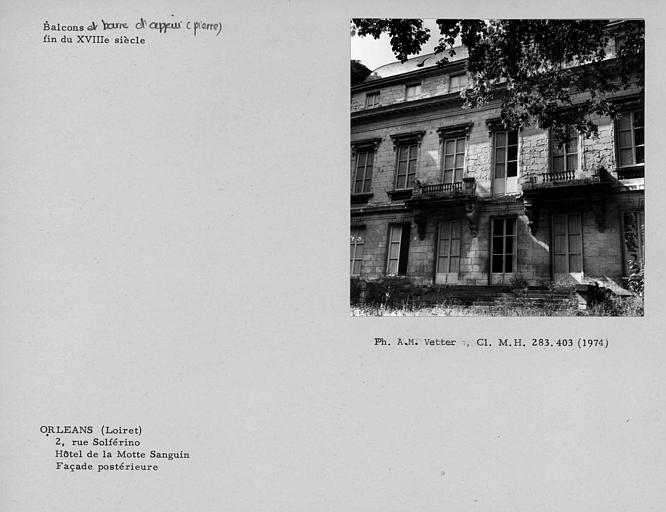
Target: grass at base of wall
[(615, 306)]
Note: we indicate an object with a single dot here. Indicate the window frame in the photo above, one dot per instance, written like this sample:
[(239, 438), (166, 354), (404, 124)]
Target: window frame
[(567, 237), (401, 141), (363, 146), (418, 87), (495, 131), (404, 228), (462, 87), (453, 133), (372, 99), (504, 254), (365, 180), (354, 245), (632, 130), (565, 153), (458, 224)]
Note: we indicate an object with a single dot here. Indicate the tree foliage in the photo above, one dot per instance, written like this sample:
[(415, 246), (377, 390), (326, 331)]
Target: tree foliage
[(358, 72), (556, 73)]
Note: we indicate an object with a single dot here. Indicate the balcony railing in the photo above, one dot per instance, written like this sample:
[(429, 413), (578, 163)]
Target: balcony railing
[(559, 176), (438, 189), (630, 173)]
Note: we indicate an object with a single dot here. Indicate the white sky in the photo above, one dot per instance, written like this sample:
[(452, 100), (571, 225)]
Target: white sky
[(376, 52)]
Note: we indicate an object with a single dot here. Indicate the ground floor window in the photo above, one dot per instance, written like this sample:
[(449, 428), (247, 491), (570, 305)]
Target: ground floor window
[(503, 245), (357, 241), (567, 248), (448, 247), (633, 227), (398, 249)]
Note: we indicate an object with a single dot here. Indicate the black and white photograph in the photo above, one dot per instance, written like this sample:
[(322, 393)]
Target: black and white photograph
[(497, 167)]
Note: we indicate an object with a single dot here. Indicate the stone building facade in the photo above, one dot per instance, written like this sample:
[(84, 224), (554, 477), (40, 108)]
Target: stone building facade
[(446, 196)]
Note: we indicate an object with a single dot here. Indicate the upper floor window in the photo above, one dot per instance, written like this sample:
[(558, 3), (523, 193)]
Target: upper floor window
[(630, 138), (457, 82), (454, 160), (453, 141), (505, 162), (406, 167), (363, 175), (372, 99), (412, 91), (564, 152)]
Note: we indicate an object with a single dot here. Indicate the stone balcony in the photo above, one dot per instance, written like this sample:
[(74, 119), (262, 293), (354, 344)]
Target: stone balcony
[(457, 190), (565, 179)]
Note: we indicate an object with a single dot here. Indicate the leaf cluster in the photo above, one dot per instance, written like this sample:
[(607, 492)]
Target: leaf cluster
[(556, 73)]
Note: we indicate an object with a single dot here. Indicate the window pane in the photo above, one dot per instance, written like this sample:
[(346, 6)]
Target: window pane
[(512, 153), (558, 163), (559, 244), (509, 245), (458, 175), (513, 137), (640, 155), (624, 122), (575, 263), (448, 162), (557, 149), (450, 147), (574, 224), (625, 139), (455, 247), (410, 181), (500, 139), (512, 169), (445, 230), (558, 224), (508, 264), (500, 156), (638, 136), (638, 119), (509, 226), (456, 228), (559, 264), (454, 264), (574, 244), (626, 157), (497, 263), (498, 227), (459, 160), (572, 162)]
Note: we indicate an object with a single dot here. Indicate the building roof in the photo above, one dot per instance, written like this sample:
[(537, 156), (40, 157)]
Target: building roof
[(415, 64)]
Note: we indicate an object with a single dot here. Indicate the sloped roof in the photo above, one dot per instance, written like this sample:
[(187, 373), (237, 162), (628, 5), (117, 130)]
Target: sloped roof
[(415, 64)]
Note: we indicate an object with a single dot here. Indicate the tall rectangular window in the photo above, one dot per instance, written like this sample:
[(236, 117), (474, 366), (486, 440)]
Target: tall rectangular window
[(372, 99), (406, 166), (357, 241), (448, 247), (567, 250), (503, 245), (505, 177), (363, 173), (454, 160), (398, 249), (564, 152), (630, 138)]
